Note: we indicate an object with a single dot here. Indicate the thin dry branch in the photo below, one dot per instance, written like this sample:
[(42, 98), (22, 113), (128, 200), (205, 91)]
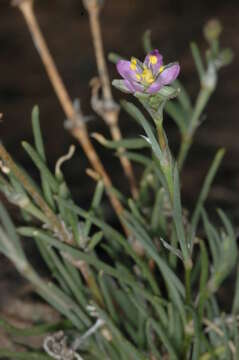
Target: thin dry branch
[(106, 107), (75, 119)]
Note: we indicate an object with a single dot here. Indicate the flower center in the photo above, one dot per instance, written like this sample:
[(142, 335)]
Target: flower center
[(147, 76), (143, 73)]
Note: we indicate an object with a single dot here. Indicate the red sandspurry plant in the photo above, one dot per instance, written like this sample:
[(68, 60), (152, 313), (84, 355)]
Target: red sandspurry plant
[(147, 289)]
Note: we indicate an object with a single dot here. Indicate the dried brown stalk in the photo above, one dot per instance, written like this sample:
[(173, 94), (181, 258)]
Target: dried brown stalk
[(75, 119), (106, 108)]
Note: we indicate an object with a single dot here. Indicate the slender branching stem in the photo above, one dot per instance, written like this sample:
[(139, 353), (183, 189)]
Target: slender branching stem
[(54, 221), (76, 119), (107, 108)]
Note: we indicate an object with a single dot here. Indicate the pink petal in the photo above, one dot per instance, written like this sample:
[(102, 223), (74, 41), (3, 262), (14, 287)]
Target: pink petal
[(169, 74), (124, 69), (133, 86), (155, 87), (154, 67)]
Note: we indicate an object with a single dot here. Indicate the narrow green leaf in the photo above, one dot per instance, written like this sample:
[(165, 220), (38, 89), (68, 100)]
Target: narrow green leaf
[(172, 283), (97, 198), (161, 332), (62, 270), (89, 258), (178, 217), (197, 335), (130, 350), (108, 297), (151, 341), (227, 224), (158, 219), (213, 239), (117, 237), (37, 133), (139, 117), (10, 230), (41, 166), (203, 278), (131, 144), (138, 158), (136, 212), (41, 151), (33, 330), (94, 241)]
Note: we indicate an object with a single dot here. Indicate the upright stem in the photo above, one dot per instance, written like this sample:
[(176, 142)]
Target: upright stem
[(166, 163), (188, 268), (161, 137), (107, 108), (76, 120), (167, 168)]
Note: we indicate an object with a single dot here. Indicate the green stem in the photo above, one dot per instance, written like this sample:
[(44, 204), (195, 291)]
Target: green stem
[(161, 135), (168, 173), (188, 269), (188, 336), (187, 137), (166, 164)]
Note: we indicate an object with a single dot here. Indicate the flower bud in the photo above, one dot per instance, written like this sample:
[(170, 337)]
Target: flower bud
[(212, 30)]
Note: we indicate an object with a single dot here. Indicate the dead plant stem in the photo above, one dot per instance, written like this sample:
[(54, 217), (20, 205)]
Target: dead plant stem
[(76, 119), (107, 108)]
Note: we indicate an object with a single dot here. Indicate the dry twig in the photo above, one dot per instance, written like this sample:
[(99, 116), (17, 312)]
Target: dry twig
[(106, 107), (76, 119)]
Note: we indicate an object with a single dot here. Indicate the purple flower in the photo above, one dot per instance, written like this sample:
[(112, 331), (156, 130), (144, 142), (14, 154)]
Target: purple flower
[(149, 76)]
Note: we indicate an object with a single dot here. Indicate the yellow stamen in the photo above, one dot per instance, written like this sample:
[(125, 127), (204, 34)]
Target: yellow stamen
[(153, 59), (147, 76), (138, 77), (133, 63), (161, 69)]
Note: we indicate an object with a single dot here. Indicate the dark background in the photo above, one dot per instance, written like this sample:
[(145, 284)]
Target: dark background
[(174, 24)]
